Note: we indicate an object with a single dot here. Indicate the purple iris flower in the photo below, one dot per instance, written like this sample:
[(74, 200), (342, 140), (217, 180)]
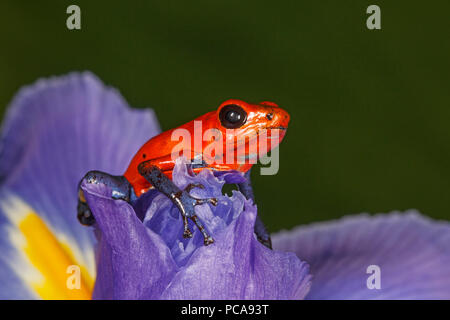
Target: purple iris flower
[(58, 129)]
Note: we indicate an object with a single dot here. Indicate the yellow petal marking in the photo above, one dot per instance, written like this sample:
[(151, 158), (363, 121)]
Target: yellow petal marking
[(43, 260), (52, 258)]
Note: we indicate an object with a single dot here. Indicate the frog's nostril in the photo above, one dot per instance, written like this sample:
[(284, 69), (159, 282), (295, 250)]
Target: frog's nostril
[(269, 116)]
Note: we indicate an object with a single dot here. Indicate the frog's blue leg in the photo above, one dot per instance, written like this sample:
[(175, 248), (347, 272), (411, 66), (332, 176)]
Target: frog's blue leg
[(121, 189), (260, 230), (180, 198)]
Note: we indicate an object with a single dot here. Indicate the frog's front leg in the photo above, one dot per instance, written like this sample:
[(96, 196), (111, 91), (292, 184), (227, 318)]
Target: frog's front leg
[(181, 198), (120, 187), (260, 230)]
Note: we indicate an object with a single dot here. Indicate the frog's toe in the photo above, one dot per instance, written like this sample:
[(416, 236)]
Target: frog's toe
[(85, 215)]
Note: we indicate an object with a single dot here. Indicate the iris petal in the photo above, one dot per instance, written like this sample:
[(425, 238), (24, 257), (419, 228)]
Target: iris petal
[(411, 251), (237, 266), (53, 133), (151, 259), (133, 262)]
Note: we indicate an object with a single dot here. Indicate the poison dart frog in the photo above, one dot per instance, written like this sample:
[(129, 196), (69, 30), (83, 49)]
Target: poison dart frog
[(151, 167)]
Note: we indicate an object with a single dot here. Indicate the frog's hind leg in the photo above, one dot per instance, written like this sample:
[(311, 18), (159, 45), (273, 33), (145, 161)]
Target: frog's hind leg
[(121, 189), (260, 230), (181, 198)]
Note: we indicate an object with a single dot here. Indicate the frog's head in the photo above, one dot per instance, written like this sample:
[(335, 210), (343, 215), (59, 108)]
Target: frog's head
[(248, 120)]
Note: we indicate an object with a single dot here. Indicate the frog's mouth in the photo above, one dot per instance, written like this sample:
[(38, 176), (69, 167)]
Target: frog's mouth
[(280, 128), (281, 132)]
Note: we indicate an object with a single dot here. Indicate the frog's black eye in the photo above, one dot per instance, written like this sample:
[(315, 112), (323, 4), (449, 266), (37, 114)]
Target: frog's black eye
[(232, 116)]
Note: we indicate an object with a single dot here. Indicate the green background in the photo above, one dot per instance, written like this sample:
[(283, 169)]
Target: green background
[(370, 109)]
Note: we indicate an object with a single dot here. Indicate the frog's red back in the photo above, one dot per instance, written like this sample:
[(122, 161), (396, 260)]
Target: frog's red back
[(235, 127)]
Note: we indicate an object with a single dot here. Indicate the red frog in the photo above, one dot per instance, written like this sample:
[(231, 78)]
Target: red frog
[(230, 132)]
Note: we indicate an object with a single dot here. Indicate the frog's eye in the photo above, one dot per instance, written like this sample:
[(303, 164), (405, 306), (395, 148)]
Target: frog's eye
[(232, 116)]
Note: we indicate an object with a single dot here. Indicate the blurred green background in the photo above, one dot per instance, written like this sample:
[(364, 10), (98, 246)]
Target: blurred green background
[(370, 109)]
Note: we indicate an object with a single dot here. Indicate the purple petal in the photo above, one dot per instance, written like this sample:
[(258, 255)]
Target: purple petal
[(411, 250), (237, 266), (53, 133), (133, 262), (231, 176), (152, 260), (12, 287), (164, 218), (58, 129)]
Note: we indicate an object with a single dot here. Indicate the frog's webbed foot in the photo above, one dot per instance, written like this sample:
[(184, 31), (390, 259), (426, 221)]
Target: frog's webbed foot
[(84, 213), (191, 186), (186, 203), (181, 198), (119, 186), (265, 241)]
